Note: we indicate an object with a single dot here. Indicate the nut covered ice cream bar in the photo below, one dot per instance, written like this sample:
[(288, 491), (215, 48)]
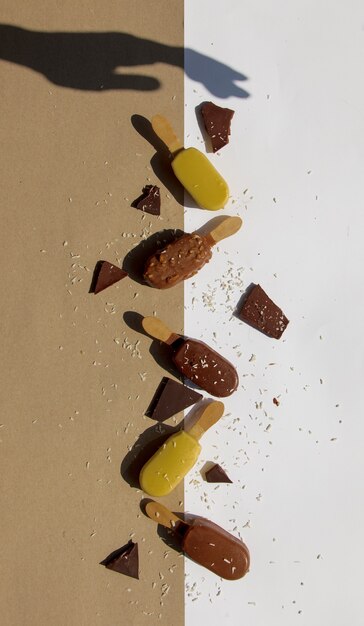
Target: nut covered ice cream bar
[(193, 169), (196, 360), (205, 542), (185, 256)]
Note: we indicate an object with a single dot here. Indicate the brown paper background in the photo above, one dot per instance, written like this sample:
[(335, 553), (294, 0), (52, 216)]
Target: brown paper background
[(72, 395)]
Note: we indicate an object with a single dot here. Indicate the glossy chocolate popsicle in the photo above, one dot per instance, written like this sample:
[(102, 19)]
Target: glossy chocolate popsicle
[(185, 256), (205, 542), (196, 360)]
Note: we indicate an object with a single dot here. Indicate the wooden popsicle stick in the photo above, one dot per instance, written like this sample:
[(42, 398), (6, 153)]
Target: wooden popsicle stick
[(157, 329), (165, 132), (228, 225), (162, 515), (209, 416)]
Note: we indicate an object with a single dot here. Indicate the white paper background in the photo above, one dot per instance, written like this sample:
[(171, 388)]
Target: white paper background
[(297, 146)]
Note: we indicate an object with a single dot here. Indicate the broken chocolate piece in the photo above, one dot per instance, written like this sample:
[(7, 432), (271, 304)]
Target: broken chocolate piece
[(149, 201), (170, 398), (125, 560), (262, 313), (217, 123), (216, 474), (108, 274)]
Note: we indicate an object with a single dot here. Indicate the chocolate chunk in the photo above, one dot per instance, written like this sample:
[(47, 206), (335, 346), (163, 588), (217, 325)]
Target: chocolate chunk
[(216, 474), (170, 398), (149, 201), (259, 311), (125, 560), (217, 123), (107, 275)]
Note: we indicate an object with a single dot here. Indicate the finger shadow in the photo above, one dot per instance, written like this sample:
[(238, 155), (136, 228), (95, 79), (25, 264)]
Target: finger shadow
[(219, 79)]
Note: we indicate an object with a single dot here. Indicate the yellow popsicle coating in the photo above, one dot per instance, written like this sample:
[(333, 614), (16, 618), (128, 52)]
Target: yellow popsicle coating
[(199, 177), (168, 466)]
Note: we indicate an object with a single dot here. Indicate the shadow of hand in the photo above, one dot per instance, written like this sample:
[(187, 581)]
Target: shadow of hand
[(217, 77), (87, 61), (97, 61)]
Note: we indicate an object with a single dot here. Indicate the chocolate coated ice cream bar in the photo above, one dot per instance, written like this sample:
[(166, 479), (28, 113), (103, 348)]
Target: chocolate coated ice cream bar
[(205, 542), (196, 360), (185, 256)]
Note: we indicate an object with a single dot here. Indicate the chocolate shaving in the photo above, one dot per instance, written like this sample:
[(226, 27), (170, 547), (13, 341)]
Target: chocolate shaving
[(170, 398), (149, 201), (259, 311), (106, 275), (217, 123), (125, 560), (216, 474)]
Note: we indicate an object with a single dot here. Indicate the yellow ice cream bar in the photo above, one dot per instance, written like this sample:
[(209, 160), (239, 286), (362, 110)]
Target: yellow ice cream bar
[(199, 177), (193, 169), (170, 464)]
